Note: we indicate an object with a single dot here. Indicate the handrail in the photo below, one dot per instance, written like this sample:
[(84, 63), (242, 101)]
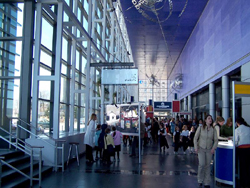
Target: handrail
[(1, 170), (25, 149), (50, 137)]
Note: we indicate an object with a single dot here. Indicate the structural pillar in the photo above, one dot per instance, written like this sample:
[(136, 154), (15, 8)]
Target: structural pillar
[(245, 100), (225, 97), (189, 106), (26, 70), (185, 106), (212, 100)]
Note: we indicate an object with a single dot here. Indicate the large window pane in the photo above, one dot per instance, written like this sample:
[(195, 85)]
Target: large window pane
[(44, 90), (64, 92), (64, 69), (82, 99), (82, 119), (84, 64), (64, 49), (44, 72), (11, 19), (46, 58), (77, 60), (75, 118), (62, 117), (43, 116), (10, 96), (10, 58), (47, 34)]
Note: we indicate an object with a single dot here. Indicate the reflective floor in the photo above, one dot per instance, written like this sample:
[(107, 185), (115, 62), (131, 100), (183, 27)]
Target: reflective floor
[(158, 169)]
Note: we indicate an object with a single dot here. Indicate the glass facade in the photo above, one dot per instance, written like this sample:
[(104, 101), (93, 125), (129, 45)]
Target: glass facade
[(10, 59), (78, 82)]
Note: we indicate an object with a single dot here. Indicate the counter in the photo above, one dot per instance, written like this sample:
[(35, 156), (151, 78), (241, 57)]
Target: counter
[(224, 163)]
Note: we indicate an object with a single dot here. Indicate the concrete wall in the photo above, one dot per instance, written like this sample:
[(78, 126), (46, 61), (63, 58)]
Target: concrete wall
[(218, 44)]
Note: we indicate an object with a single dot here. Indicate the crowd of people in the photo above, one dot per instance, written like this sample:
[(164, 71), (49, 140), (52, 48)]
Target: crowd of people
[(201, 137)]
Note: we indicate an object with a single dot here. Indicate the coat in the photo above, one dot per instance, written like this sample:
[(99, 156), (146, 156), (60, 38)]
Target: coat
[(205, 139), (101, 137), (89, 138)]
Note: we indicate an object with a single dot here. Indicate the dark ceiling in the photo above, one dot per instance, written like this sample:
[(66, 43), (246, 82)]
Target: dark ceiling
[(157, 46)]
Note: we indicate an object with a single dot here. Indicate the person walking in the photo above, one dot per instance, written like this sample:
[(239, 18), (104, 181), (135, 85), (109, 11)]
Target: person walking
[(97, 148), (191, 139), (162, 135), (176, 139), (205, 143), (172, 126), (89, 138), (108, 145), (117, 136), (101, 140), (184, 138)]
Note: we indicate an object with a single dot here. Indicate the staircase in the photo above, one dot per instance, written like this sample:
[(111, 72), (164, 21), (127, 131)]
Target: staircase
[(21, 161)]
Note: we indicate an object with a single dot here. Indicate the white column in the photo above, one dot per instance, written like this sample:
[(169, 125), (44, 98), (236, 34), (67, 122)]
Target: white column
[(72, 81), (87, 96), (225, 97), (189, 106), (36, 64), (212, 100), (185, 104), (56, 112)]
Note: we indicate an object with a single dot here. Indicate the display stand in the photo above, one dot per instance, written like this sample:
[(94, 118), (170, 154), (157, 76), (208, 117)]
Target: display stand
[(239, 89)]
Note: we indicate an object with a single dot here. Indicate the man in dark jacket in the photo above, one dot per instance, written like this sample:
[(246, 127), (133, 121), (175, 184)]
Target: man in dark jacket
[(101, 139)]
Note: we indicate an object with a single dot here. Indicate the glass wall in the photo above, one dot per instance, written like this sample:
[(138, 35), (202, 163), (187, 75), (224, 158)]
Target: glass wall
[(11, 23), (74, 84)]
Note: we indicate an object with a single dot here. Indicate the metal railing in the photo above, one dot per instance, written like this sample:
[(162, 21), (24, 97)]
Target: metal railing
[(1, 170), (55, 147), (29, 150)]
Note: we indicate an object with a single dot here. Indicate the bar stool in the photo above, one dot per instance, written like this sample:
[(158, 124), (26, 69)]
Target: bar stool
[(71, 144)]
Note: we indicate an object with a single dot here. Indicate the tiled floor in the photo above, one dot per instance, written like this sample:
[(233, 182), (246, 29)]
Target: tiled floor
[(158, 169)]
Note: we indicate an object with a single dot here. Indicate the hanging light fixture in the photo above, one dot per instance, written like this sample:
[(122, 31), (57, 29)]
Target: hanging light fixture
[(147, 7)]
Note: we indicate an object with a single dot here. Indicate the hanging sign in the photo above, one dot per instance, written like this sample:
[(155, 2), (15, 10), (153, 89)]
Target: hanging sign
[(120, 76)]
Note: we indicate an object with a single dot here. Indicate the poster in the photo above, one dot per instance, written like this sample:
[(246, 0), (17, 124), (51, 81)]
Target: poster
[(125, 117)]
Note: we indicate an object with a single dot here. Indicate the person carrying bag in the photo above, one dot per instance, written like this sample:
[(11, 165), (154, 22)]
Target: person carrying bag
[(205, 143)]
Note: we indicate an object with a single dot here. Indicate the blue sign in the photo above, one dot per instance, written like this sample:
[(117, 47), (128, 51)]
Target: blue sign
[(162, 105), (140, 81)]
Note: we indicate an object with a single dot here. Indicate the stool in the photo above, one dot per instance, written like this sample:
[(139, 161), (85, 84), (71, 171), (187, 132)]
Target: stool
[(70, 150)]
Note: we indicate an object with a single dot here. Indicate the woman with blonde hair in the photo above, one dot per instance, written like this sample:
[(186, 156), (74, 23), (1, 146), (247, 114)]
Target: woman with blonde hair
[(89, 138), (218, 126), (227, 129)]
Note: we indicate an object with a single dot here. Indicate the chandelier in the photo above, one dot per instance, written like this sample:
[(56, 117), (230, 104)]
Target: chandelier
[(151, 9)]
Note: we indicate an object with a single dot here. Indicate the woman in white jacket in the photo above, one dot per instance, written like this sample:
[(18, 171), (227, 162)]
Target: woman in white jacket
[(89, 138)]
